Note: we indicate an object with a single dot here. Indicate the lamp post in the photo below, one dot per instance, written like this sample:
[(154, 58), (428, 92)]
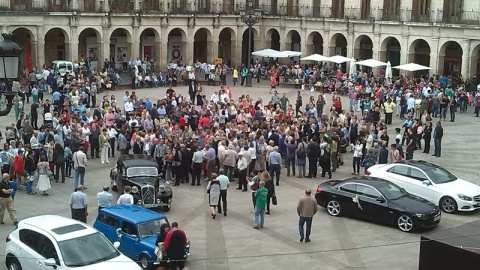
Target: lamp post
[(250, 17), (9, 62)]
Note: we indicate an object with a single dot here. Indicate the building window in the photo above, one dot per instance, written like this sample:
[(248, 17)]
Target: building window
[(338, 9), (391, 10), (179, 6), (292, 8), (365, 10), (420, 10), (227, 7), (317, 8), (452, 10), (203, 6)]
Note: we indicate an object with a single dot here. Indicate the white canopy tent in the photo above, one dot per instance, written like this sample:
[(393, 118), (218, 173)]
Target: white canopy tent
[(315, 57), (412, 67), (286, 54), (371, 63), (338, 59), (265, 53)]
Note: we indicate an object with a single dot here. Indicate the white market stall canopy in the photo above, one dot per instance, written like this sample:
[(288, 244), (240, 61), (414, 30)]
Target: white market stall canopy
[(371, 63), (315, 57), (265, 53), (412, 67), (276, 54), (338, 59)]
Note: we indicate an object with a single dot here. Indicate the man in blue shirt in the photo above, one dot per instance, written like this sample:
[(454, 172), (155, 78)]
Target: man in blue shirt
[(224, 185), (161, 111), (104, 198), (210, 157)]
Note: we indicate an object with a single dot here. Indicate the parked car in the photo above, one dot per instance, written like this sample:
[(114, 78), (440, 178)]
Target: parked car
[(431, 182), (63, 66), (136, 228), (141, 171), (379, 201), (53, 242)]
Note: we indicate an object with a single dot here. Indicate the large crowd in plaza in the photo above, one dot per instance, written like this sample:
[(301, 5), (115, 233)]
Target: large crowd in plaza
[(226, 137)]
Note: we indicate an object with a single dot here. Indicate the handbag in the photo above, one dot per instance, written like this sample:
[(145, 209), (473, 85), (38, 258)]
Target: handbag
[(79, 169), (274, 199)]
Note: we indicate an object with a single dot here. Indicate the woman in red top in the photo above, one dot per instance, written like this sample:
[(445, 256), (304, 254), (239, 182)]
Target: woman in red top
[(204, 122), (18, 167), (181, 122), (338, 105)]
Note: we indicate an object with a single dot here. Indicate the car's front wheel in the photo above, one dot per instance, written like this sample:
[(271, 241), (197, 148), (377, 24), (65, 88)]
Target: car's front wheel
[(448, 205), (406, 223), (13, 264), (334, 208), (145, 262)]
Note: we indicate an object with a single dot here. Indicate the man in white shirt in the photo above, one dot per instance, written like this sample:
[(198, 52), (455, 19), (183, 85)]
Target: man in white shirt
[(223, 97), (129, 106), (126, 197), (215, 98)]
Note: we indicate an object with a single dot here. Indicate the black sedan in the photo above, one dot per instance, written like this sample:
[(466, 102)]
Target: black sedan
[(377, 200)]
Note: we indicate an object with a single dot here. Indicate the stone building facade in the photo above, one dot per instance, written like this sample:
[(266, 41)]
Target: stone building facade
[(443, 34)]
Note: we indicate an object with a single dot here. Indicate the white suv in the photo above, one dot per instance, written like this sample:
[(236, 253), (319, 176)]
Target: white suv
[(53, 242)]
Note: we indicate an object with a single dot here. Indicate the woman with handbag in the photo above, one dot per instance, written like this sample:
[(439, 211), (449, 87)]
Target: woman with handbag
[(269, 185), (161, 257), (213, 190), (43, 179)]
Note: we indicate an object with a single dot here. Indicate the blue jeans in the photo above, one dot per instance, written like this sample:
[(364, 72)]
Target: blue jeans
[(76, 177), (275, 170), (259, 216), (435, 110), (443, 113), (438, 147), (29, 183), (301, 222)]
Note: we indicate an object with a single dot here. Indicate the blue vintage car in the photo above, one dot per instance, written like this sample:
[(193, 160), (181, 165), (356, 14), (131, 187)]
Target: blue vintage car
[(136, 228)]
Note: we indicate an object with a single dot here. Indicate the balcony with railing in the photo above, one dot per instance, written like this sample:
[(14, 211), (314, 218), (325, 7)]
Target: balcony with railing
[(122, 6), (89, 6), (57, 5), (20, 5), (151, 6)]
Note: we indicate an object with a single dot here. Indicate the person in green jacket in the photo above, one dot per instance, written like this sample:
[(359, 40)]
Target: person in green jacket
[(260, 203)]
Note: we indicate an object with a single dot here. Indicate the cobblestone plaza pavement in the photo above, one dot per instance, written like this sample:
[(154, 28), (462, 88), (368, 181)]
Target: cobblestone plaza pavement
[(231, 243)]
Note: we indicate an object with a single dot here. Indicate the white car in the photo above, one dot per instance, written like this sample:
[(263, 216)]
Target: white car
[(431, 182), (53, 242)]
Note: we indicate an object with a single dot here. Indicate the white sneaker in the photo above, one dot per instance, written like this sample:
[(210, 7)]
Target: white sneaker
[(103, 163)]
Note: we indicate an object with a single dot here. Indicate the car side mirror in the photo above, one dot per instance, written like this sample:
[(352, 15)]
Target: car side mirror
[(426, 182), (119, 232), (116, 244), (380, 199), (50, 262)]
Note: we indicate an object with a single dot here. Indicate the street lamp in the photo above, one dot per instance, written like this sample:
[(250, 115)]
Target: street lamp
[(250, 17), (9, 61)]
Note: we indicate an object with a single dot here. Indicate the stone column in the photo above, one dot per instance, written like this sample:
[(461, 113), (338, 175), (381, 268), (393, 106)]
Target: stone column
[(40, 46), (34, 48), (73, 45), (105, 47), (212, 51), (436, 60), (465, 59), (237, 46)]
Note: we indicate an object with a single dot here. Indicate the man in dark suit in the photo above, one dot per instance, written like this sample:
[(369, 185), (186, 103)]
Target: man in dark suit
[(138, 146), (437, 139), (312, 132), (313, 152)]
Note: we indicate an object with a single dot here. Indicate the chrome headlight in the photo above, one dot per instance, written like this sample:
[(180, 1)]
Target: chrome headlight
[(158, 201), (464, 197), (140, 202), (422, 215)]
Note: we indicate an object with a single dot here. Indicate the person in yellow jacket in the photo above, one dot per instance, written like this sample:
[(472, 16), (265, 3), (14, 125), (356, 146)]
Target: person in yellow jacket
[(389, 105), (235, 75)]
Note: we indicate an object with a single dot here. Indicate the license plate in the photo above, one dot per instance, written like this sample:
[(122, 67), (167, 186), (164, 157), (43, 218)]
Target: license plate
[(437, 218)]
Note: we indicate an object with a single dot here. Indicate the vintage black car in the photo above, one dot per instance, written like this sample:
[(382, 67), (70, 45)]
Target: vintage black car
[(141, 173), (379, 201)]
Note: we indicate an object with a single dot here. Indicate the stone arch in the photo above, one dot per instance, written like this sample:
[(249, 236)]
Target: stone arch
[(89, 46), (272, 38), (149, 40), (363, 47), (338, 45), (202, 45), (121, 47), (226, 41), (450, 58), (315, 43), (245, 47), (474, 59), (419, 53), (293, 41), (25, 38), (56, 48), (391, 50), (176, 44)]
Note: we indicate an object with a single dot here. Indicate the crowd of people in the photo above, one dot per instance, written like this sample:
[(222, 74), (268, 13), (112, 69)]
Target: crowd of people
[(224, 137)]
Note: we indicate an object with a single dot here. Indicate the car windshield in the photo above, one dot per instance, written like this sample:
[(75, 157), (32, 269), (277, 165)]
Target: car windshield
[(439, 175), (87, 250), (142, 171), (151, 227), (391, 191)]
